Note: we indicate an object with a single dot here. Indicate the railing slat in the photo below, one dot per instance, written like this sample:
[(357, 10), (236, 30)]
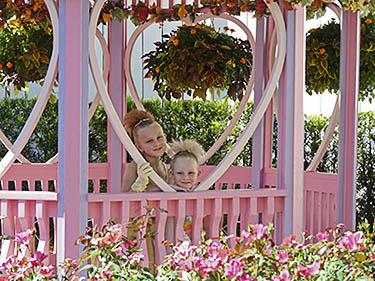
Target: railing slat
[(161, 221), (197, 220), (180, 220), (215, 219)]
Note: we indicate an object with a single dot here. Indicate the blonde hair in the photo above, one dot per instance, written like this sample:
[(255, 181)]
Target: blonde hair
[(187, 148), (137, 119)]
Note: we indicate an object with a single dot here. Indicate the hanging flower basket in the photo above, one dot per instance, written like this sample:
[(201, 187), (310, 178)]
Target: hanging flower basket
[(195, 59), (323, 58), (25, 43)]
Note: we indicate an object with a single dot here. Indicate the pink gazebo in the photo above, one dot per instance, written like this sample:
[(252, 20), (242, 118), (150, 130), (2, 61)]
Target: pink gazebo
[(292, 199)]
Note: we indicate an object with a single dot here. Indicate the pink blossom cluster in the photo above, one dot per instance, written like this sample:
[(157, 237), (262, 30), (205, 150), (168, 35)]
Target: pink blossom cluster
[(112, 234), (257, 232), (352, 241), (19, 268)]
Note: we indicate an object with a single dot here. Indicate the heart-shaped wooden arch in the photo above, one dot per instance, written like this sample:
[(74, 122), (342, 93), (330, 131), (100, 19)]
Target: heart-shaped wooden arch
[(250, 128), (249, 87)]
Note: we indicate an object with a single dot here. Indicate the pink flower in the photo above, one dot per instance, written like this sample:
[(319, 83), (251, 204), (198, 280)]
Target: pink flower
[(128, 244), (136, 258), (284, 276), (309, 270), (351, 241), (282, 256), (322, 236), (118, 251), (233, 268), (289, 241), (246, 234), (39, 256), (214, 248), (47, 271), (23, 237), (259, 231), (210, 264), (113, 234)]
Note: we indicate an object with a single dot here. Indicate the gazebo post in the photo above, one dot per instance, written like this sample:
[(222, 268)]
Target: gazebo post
[(290, 123), (72, 126), (349, 88), (262, 140), (117, 93), (259, 82)]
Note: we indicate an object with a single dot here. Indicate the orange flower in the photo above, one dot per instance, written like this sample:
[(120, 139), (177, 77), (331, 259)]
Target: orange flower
[(149, 75), (152, 7), (182, 12), (322, 51), (307, 38), (368, 21), (197, 26), (106, 17), (157, 69), (193, 31), (244, 8), (175, 42), (229, 62), (226, 28), (243, 61), (1, 66), (9, 64), (172, 38)]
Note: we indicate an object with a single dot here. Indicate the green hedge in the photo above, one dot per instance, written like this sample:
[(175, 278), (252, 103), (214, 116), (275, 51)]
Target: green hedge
[(205, 122)]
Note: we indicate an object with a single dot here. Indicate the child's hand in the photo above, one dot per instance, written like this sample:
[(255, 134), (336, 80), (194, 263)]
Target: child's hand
[(144, 170)]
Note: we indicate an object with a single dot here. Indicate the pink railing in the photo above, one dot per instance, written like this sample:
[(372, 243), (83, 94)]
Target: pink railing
[(21, 210), (233, 209), (231, 204), (320, 201)]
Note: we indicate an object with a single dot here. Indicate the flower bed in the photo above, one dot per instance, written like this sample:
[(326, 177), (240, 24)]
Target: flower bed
[(332, 255)]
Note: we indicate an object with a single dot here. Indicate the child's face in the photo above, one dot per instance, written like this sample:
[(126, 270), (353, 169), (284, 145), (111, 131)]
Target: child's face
[(185, 172), (151, 140)]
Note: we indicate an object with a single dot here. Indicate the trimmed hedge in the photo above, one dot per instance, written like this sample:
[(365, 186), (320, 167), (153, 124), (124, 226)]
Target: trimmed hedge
[(205, 122)]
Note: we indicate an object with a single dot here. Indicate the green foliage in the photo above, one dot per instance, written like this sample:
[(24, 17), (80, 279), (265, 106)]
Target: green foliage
[(43, 142), (366, 168), (323, 58), (197, 58)]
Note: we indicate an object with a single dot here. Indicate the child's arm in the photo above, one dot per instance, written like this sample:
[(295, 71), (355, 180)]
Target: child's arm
[(129, 177)]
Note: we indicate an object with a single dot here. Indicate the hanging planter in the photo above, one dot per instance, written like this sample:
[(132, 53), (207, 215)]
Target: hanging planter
[(323, 58), (195, 59), (25, 43)]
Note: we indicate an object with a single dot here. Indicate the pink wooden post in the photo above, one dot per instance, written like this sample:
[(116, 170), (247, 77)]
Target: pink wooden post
[(73, 126), (116, 90), (349, 88), (260, 64), (290, 123), (262, 141)]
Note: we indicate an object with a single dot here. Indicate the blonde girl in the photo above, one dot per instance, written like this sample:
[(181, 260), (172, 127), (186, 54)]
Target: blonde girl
[(149, 138), (184, 172), (184, 166)]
